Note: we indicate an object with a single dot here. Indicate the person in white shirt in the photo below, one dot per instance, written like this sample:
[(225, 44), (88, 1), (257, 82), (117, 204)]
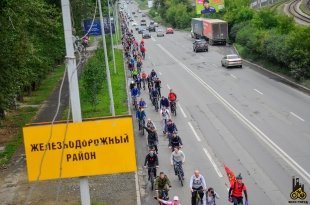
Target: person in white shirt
[(165, 114), (197, 184), (177, 158)]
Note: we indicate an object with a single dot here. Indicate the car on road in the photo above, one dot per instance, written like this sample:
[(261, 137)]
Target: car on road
[(151, 28), (200, 45), (160, 33), (139, 11), (134, 23), (169, 30), (155, 24), (143, 22), (133, 13), (141, 30), (231, 60), (143, 15), (146, 34)]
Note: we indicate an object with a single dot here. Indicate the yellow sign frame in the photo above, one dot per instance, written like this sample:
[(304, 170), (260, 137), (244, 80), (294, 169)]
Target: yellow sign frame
[(92, 147)]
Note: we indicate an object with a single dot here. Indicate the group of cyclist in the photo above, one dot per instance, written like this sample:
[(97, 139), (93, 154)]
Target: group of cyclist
[(135, 54)]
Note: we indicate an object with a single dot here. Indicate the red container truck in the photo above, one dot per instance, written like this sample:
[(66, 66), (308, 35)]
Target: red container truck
[(213, 30)]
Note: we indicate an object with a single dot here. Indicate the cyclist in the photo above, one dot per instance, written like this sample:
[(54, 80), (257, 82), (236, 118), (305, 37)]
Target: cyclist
[(235, 192), (174, 202), (142, 49), (153, 74), (157, 84), (135, 74), (144, 78), (177, 158), (165, 114), (152, 138), (151, 161), (211, 195), (172, 98), (150, 125), (175, 141), (197, 183), (140, 114), (171, 128), (135, 92), (142, 103), (138, 81), (154, 95), (132, 85), (139, 64), (164, 102), (162, 184)]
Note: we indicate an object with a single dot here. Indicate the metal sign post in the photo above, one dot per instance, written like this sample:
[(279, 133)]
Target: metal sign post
[(73, 86)]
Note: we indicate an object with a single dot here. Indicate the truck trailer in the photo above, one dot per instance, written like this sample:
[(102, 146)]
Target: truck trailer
[(213, 30)]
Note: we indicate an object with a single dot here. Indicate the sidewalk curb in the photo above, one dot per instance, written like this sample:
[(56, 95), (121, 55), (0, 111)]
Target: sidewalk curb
[(276, 75)]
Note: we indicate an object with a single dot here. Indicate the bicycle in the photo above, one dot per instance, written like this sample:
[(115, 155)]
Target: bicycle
[(141, 125), (155, 103), (152, 176), (173, 108), (135, 102), (197, 196), (179, 170), (163, 195)]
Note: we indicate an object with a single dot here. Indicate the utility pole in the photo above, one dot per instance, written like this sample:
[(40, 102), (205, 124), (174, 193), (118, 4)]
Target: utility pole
[(73, 86), (112, 36), (106, 61)]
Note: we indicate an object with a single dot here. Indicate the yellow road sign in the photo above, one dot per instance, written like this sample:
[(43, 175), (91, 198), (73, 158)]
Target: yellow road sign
[(100, 146)]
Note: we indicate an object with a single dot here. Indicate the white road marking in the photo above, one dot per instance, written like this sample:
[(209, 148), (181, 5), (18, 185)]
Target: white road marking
[(195, 133), (289, 160), (213, 163), (297, 116), (183, 113), (258, 91), (153, 39), (160, 73), (232, 75), (137, 189), (168, 87)]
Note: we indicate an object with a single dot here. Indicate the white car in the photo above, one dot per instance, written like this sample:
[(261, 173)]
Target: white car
[(134, 24), (231, 60)]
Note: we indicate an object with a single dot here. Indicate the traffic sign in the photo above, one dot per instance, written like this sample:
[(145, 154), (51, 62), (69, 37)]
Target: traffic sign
[(94, 147), (96, 28)]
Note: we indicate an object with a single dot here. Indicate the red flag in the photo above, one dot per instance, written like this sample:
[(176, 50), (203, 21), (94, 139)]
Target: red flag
[(230, 175)]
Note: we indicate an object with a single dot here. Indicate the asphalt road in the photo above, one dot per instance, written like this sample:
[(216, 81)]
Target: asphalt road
[(257, 126)]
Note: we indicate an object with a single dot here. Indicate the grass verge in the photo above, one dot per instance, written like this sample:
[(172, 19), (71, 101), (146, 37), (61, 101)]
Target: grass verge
[(118, 87), (11, 127), (244, 53)]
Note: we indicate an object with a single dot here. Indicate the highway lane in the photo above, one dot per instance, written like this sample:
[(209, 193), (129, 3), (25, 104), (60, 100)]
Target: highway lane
[(221, 130)]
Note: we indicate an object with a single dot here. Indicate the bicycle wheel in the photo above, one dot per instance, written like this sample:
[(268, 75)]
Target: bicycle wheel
[(152, 181)]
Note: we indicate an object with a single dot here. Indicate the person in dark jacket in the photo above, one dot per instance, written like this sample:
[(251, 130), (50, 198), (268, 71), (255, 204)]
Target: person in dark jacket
[(152, 138), (164, 102), (151, 161), (175, 141), (207, 8)]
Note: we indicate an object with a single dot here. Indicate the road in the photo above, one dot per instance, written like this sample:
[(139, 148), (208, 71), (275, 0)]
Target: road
[(257, 126)]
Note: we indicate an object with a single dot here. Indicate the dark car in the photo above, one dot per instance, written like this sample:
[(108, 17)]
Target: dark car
[(200, 45), (146, 34), (151, 28), (143, 22)]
